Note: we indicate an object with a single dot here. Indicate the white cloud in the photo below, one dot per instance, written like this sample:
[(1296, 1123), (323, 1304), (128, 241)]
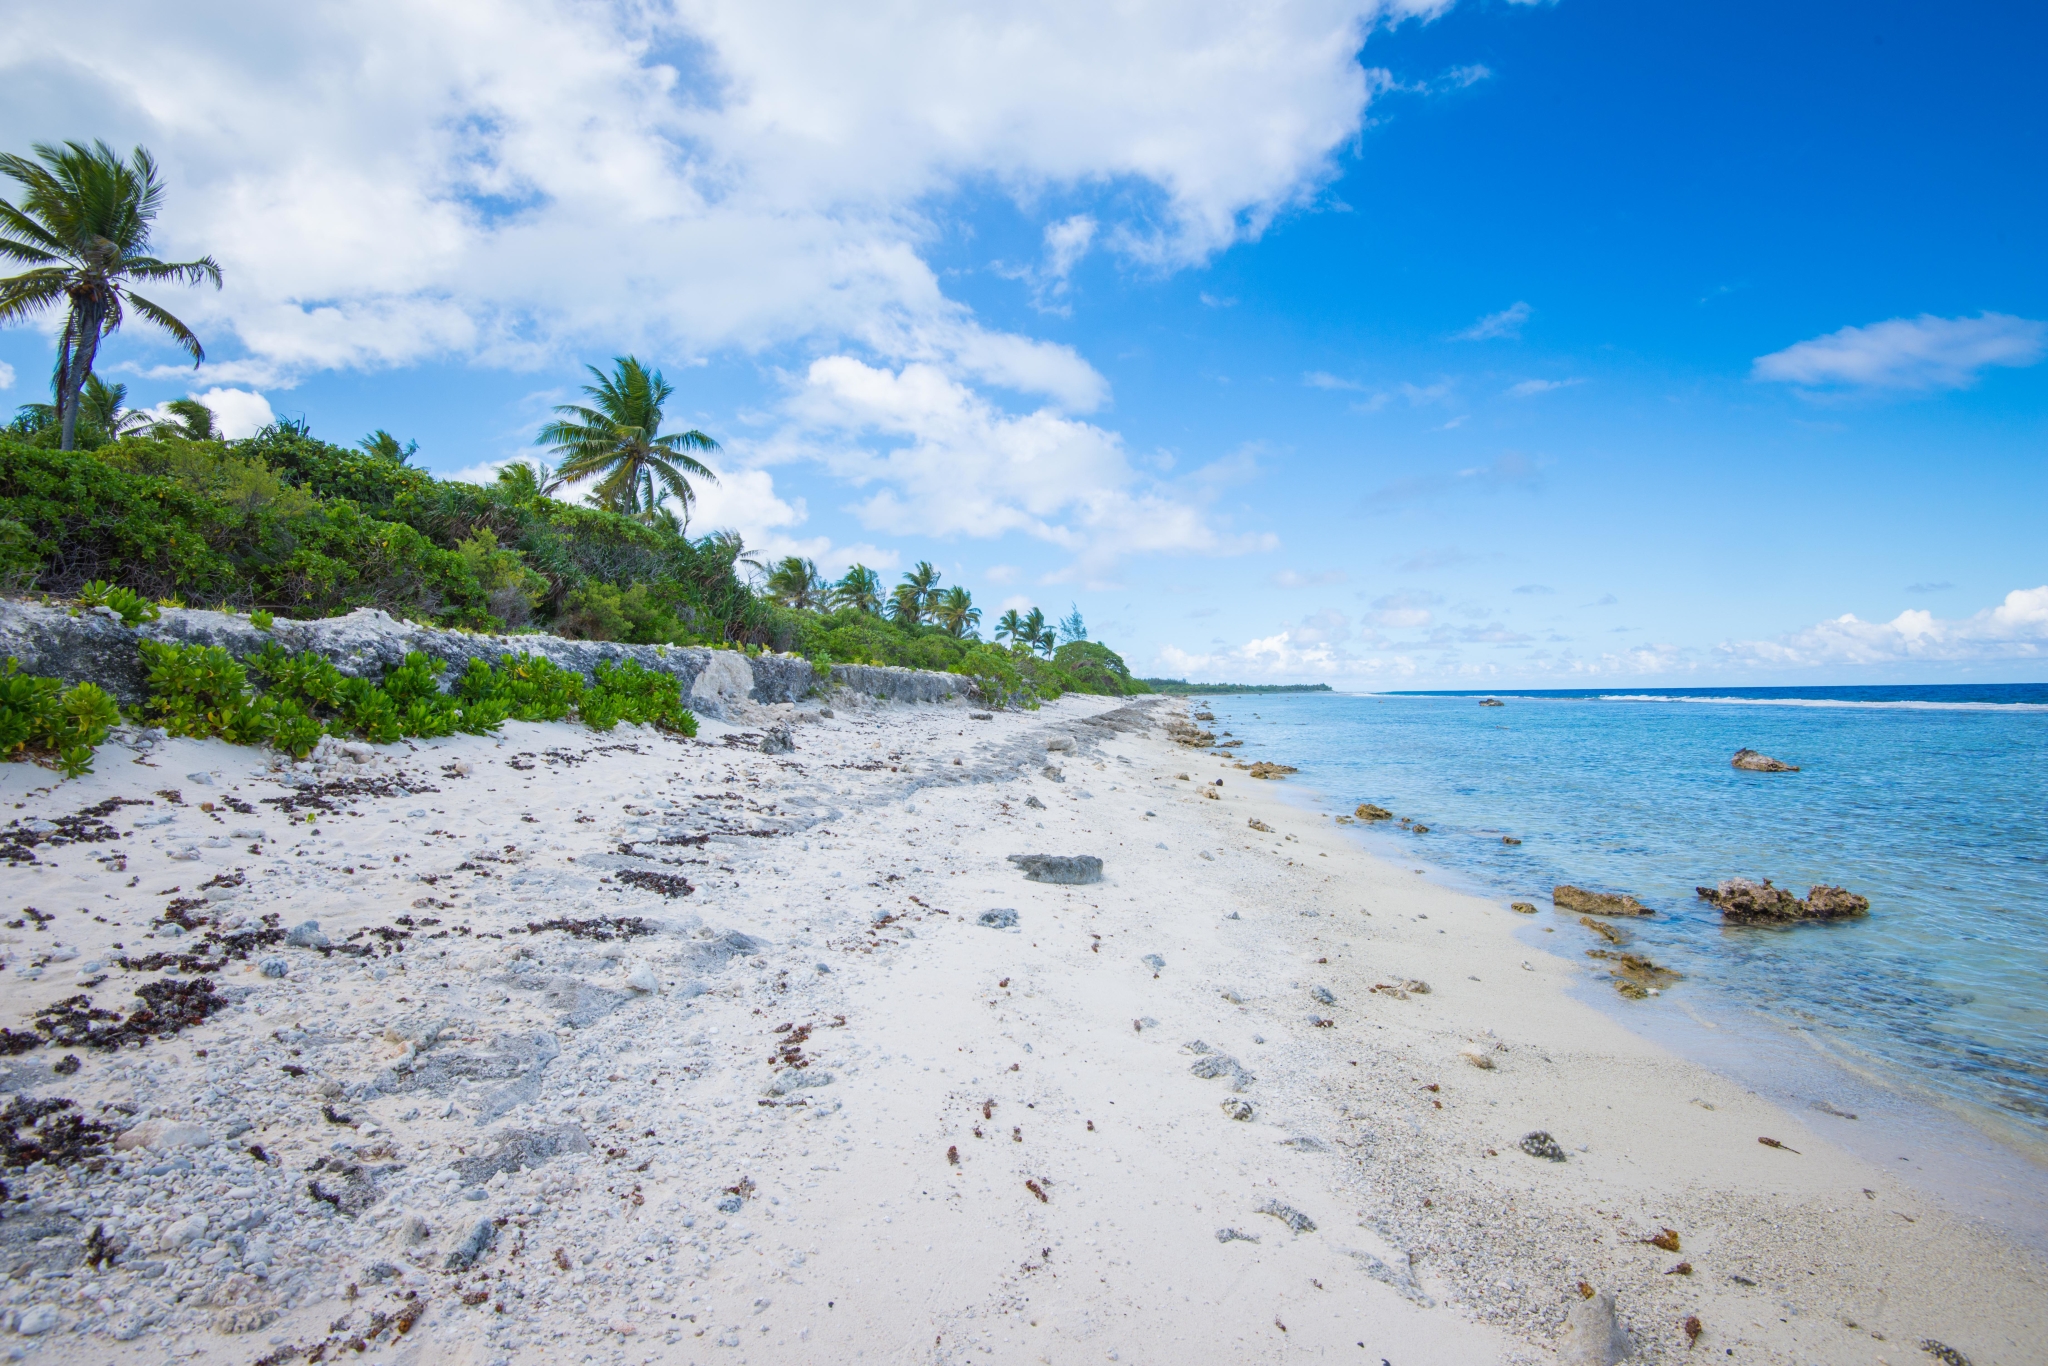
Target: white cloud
[(1908, 353), (1288, 578), (238, 412), (6, 375), (1403, 610), (951, 463), (1506, 324), (1529, 388), (1323, 379), (2017, 628)]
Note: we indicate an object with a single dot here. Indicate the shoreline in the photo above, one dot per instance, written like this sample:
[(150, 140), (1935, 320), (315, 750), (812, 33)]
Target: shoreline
[(716, 1196)]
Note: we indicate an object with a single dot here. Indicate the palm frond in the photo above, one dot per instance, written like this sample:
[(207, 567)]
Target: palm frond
[(180, 333)]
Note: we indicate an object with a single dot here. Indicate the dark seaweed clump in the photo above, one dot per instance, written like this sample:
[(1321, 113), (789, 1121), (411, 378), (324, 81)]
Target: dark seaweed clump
[(168, 1006), (603, 928), (17, 843), (50, 1131), (668, 884)]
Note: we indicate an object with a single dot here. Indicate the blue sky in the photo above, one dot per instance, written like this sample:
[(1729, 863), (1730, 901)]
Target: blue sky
[(1419, 345)]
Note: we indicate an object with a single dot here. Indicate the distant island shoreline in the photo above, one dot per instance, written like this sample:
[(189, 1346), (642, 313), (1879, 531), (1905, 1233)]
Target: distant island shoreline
[(1180, 687)]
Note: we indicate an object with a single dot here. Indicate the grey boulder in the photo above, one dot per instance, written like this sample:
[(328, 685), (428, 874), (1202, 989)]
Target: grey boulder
[(1065, 869)]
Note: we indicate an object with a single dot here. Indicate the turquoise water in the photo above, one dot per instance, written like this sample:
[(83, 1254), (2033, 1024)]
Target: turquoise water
[(1932, 802)]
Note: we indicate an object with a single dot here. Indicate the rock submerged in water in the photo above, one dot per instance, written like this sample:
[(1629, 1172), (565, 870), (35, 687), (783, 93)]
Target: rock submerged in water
[(1596, 903), (1749, 761), (1369, 812), (1745, 902)]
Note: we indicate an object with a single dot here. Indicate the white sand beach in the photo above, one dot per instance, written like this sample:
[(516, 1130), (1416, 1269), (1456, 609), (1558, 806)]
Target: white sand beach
[(1201, 1110)]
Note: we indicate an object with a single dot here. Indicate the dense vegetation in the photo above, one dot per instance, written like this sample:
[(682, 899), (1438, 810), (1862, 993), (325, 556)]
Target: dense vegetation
[(1180, 687)]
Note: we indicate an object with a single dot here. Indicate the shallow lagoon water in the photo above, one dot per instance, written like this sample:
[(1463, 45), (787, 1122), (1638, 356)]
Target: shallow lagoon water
[(1933, 802)]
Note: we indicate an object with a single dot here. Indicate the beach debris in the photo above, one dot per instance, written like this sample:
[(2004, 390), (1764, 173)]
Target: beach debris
[(643, 979), (667, 884), (1369, 812), (1478, 1057), (1579, 899), (1259, 825), (1231, 1235), (1943, 1353), (603, 929), (1611, 933), (953, 1155), (1742, 901), (1238, 1109), (1154, 962), (1205, 715), (1667, 1240), (1400, 991), (1693, 1328), (1001, 918), (1539, 1143), (304, 935), (1322, 995), (1288, 1215), (1749, 761), (1773, 1143), (1682, 1269), (1065, 869), (1522, 907), (1038, 1191), (1210, 1064), (1828, 1109), (1211, 794), (1593, 1336), (1262, 769), (1635, 976)]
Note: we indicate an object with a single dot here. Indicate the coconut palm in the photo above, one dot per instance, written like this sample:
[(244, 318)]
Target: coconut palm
[(1010, 626), (82, 227), (527, 481), (905, 609), (918, 589), (1032, 635), (101, 414), (860, 588), (955, 610), (383, 444), (794, 582), (616, 440), (189, 418)]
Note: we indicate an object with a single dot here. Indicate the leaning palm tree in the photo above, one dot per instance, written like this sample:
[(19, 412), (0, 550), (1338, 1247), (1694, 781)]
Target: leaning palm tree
[(82, 228), (1032, 636), (1010, 626), (101, 414), (955, 610), (905, 608), (616, 440), (384, 445), (189, 418), (794, 582), (861, 589)]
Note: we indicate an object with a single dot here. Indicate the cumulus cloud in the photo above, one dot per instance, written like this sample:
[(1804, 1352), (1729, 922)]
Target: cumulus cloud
[(2016, 628), (238, 412), (1908, 354), (6, 375), (1505, 325)]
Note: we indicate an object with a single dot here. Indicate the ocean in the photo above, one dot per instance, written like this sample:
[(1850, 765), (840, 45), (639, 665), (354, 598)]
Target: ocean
[(1931, 801)]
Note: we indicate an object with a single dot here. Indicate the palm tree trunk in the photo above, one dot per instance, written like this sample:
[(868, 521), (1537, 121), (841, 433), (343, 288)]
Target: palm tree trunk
[(82, 338)]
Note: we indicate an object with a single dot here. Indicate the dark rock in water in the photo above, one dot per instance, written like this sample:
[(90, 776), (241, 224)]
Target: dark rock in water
[(1509, 839), (1749, 761), (1596, 903), (1061, 868), (1369, 812), (1539, 1143), (1492, 702), (1743, 902), (1522, 907)]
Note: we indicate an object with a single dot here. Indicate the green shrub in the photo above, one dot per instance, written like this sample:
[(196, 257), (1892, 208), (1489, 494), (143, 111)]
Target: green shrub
[(995, 672), (41, 719), (1094, 668), (132, 608), (527, 687), (628, 692)]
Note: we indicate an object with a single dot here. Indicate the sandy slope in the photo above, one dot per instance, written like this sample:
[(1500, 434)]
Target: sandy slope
[(839, 892)]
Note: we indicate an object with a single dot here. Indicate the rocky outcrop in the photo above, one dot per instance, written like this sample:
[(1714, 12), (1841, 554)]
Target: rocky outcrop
[(1749, 761), (1572, 898), (1069, 869), (94, 646), (1743, 902), (1369, 812), (1262, 769)]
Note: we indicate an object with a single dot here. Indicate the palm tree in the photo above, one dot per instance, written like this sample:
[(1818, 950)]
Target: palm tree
[(794, 582), (860, 589), (904, 607), (527, 481), (384, 444), (956, 612), (100, 413), (82, 228), (1032, 636), (916, 593), (189, 418), (616, 439), (1010, 626)]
